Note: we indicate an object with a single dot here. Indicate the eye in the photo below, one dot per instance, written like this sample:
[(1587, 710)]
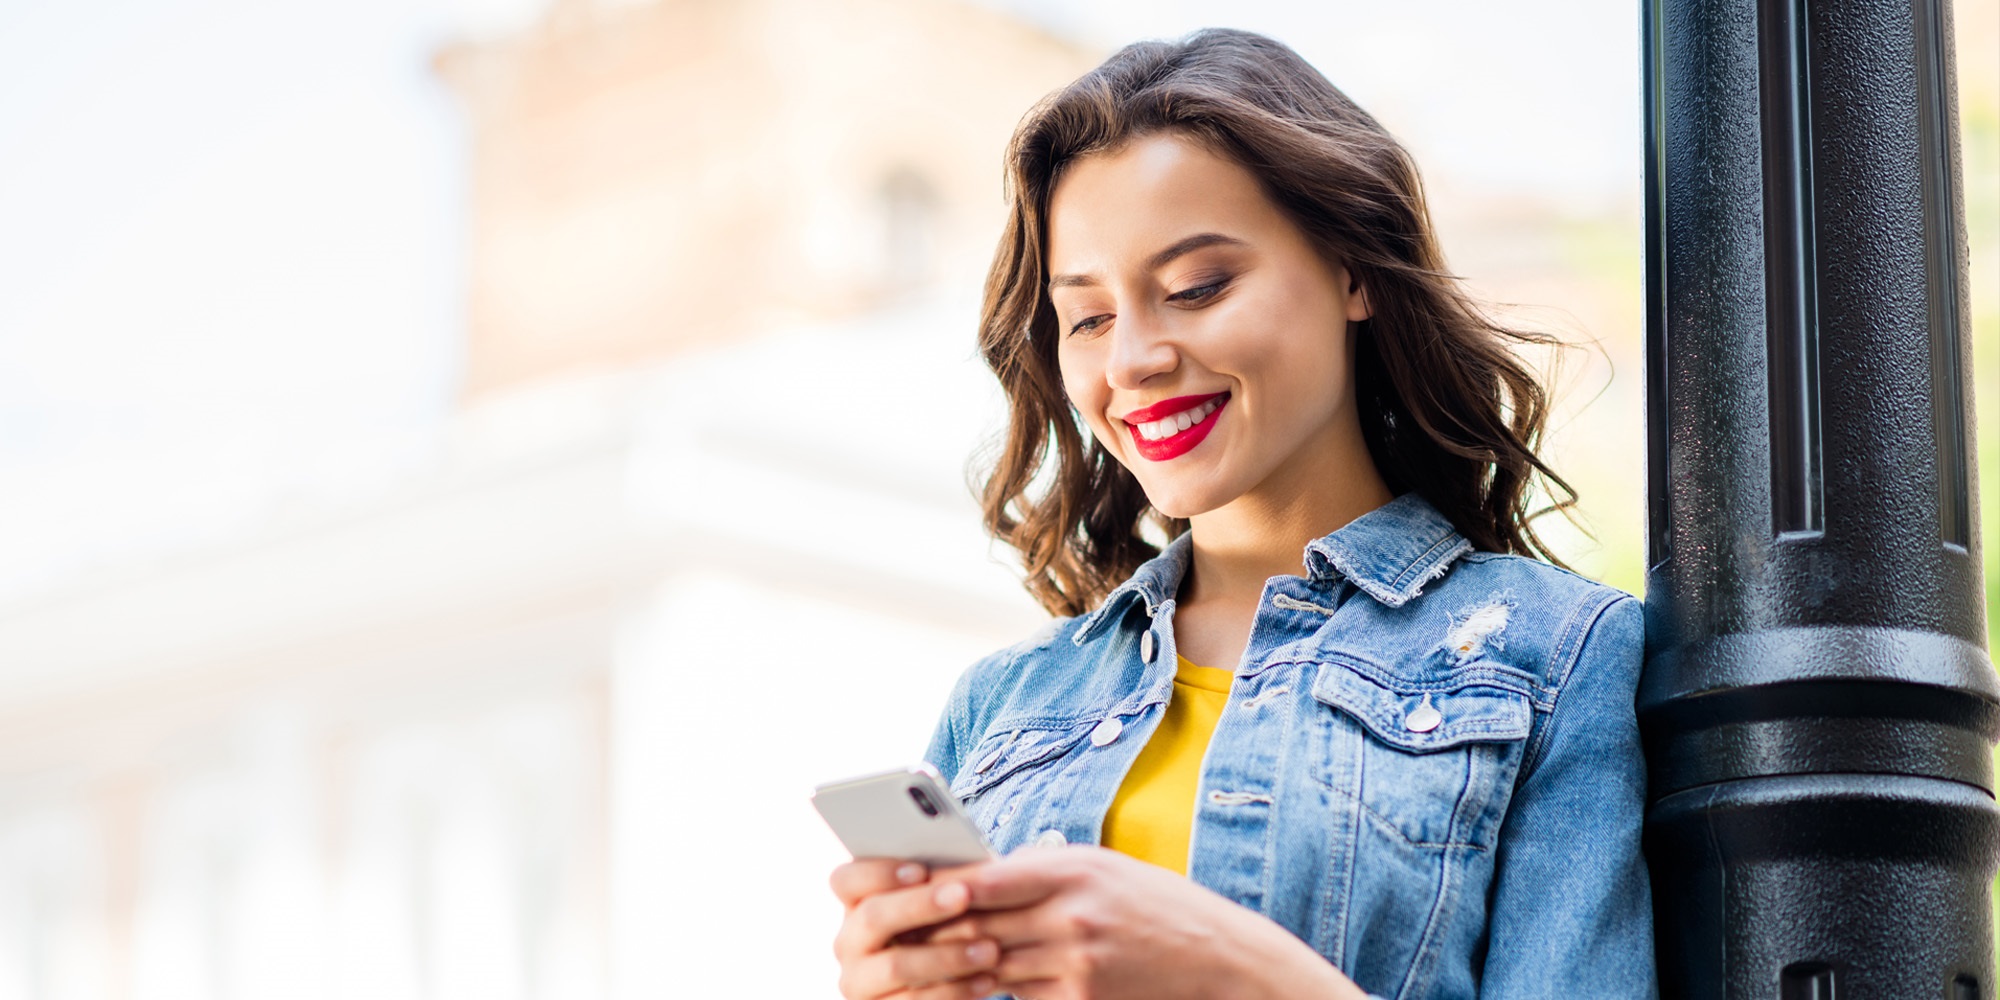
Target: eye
[(1088, 324), (1199, 292)]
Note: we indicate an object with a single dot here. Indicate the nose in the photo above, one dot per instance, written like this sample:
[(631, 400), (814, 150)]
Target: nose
[(1140, 349)]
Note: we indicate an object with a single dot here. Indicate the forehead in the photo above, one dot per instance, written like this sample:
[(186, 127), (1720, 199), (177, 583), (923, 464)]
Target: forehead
[(1112, 207)]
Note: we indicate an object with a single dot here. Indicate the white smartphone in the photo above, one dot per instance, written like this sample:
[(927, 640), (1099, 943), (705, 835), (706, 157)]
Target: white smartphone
[(907, 813)]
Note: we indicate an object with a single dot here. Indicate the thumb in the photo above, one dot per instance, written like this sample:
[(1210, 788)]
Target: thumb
[(1023, 878)]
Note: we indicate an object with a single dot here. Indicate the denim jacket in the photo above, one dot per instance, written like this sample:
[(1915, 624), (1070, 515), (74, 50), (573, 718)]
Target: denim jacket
[(1428, 770)]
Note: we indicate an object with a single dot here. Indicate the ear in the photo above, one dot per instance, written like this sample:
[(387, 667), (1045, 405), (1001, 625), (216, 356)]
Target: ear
[(1358, 307)]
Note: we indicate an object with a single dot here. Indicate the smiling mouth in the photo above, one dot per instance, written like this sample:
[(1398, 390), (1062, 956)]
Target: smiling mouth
[(1176, 434), (1168, 426)]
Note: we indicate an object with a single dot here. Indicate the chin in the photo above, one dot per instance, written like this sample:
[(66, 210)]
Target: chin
[(1183, 503)]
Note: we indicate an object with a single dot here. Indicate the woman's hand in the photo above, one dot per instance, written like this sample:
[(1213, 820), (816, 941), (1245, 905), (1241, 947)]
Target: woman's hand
[(1087, 923), (881, 943)]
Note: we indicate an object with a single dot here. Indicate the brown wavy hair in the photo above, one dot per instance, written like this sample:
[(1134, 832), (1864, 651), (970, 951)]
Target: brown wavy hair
[(1447, 409)]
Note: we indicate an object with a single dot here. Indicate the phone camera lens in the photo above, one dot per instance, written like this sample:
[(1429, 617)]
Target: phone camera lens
[(923, 801)]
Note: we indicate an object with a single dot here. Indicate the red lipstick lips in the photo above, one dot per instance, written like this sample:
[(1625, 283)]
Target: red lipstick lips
[(1166, 406), (1179, 441)]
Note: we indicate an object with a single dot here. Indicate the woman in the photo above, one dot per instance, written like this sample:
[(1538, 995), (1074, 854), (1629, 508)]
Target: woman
[(1343, 736)]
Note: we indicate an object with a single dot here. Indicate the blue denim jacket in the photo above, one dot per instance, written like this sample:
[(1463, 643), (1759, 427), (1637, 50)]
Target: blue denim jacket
[(1429, 767)]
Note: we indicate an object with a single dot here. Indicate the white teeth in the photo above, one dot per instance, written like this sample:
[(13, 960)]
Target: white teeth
[(1169, 426)]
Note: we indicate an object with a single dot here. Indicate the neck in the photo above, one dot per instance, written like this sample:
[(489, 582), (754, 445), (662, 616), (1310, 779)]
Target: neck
[(1263, 533)]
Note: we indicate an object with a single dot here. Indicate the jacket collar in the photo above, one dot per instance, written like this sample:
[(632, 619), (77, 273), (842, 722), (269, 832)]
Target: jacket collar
[(1155, 581), (1389, 553)]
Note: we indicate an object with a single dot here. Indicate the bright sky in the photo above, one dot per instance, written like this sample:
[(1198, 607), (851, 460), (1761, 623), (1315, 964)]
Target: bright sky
[(230, 231), (230, 236)]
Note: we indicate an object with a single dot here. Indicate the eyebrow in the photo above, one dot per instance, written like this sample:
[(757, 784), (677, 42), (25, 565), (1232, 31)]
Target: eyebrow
[(1179, 247)]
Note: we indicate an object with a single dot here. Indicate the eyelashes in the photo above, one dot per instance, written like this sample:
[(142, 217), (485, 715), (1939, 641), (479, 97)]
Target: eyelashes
[(1197, 294)]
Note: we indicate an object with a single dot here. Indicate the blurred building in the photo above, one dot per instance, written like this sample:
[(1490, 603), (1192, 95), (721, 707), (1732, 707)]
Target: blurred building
[(651, 178), (543, 721)]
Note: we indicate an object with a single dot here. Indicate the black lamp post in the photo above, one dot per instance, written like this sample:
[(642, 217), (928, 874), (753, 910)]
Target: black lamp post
[(1819, 706)]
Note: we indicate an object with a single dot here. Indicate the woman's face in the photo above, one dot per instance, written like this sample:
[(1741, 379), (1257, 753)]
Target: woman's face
[(1203, 338)]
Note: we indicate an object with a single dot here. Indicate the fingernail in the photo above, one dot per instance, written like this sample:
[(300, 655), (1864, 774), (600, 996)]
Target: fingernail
[(949, 895), (910, 874), (982, 952)]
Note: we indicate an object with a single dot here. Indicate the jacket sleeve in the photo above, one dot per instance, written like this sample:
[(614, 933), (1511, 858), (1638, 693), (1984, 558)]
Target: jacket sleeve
[(949, 740), (1571, 913)]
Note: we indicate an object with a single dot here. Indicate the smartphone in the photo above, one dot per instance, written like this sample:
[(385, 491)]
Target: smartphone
[(907, 813)]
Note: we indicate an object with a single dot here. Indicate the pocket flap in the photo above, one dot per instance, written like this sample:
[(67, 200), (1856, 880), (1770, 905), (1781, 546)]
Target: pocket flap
[(1469, 713), (1008, 749)]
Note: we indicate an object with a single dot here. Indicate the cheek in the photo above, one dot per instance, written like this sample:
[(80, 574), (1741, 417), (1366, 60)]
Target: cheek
[(1306, 380), (1084, 393), (1075, 393), (1084, 387)]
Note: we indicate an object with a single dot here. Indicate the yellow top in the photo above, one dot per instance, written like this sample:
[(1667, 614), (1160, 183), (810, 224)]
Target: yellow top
[(1152, 816)]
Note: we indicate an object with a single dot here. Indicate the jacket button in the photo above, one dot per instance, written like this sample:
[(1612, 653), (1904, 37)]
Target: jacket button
[(1106, 731), (993, 758), (1051, 838), (1146, 649), (1424, 717)]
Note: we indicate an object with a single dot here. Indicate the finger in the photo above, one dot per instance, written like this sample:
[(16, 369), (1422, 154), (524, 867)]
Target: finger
[(1011, 928), (911, 966), (977, 988), (858, 879), (1035, 989), (1021, 969), (877, 919), (965, 928), (938, 876), (958, 871)]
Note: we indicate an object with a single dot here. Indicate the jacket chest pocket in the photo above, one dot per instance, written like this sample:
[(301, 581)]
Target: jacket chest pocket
[(1008, 771), (1431, 763)]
